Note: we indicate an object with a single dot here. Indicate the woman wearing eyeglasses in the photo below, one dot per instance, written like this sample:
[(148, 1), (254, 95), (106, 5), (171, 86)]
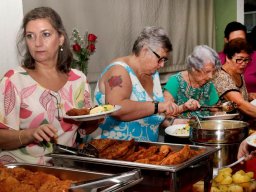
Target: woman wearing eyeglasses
[(133, 83), (193, 87), (229, 80)]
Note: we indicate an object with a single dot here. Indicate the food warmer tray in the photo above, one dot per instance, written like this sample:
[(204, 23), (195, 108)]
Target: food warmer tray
[(87, 181), (156, 177)]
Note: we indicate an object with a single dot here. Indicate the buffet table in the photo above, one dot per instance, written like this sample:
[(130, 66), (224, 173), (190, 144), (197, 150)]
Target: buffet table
[(179, 177)]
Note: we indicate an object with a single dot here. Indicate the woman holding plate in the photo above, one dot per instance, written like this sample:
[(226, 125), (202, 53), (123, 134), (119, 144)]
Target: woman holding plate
[(31, 108)]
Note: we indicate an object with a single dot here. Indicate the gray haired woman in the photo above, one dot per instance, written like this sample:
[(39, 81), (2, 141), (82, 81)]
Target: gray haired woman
[(193, 87), (133, 82)]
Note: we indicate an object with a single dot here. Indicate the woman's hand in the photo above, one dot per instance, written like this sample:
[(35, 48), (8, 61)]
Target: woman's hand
[(252, 96), (191, 105), (169, 108), (243, 150), (44, 132), (90, 126)]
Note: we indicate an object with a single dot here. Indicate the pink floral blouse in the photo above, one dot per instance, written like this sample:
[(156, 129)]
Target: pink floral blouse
[(25, 104)]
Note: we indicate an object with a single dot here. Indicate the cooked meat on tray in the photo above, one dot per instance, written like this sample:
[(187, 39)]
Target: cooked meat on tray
[(102, 144), (132, 151), (21, 180), (177, 157), (118, 150)]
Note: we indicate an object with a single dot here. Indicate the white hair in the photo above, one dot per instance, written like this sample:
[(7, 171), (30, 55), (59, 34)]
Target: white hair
[(201, 55)]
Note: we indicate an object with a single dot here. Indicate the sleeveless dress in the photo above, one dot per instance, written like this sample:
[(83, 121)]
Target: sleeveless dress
[(144, 129)]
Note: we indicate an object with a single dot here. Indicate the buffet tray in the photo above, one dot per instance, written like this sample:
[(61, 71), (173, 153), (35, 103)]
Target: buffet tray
[(86, 181), (172, 168), (163, 177)]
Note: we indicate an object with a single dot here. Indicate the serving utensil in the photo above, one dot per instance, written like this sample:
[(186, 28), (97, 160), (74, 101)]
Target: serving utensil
[(243, 158), (194, 121), (235, 163), (86, 149), (226, 106)]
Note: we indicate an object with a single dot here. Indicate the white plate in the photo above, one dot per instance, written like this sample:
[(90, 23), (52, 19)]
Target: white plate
[(251, 140), (93, 116), (174, 130), (253, 102), (221, 117)]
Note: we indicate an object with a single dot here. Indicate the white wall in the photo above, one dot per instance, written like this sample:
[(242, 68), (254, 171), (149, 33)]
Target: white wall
[(11, 13), (240, 11)]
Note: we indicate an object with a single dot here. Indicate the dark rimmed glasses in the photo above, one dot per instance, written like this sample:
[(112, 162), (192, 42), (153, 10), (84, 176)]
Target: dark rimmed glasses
[(242, 60), (160, 59)]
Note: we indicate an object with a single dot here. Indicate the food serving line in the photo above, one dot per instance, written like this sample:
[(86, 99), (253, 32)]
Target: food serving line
[(215, 139), (155, 177)]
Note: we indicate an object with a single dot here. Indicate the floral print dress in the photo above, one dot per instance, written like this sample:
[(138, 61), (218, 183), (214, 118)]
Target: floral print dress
[(25, 104), (182, 92), (144, 129), (224, 83)]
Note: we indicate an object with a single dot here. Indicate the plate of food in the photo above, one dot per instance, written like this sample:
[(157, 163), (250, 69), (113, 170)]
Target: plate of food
[(178, 130), (253, 102), (220, 116), (86, 114), (251, 140)]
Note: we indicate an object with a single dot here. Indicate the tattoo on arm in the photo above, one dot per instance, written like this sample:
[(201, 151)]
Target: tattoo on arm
[(115, 81)]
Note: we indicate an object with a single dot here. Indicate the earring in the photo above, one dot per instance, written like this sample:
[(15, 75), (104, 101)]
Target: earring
[(61, 48)]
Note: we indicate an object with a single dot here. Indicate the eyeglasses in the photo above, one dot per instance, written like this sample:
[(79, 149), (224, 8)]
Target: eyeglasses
[(160, 59), (57, 98), (242, 60)]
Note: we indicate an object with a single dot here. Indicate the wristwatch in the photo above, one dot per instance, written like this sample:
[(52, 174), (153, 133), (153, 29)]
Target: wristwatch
[(156, 106)]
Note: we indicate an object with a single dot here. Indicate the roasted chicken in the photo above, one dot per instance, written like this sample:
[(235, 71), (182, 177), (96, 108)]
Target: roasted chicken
[(152, 154), (118, 150), (102, 144), (22, 180)]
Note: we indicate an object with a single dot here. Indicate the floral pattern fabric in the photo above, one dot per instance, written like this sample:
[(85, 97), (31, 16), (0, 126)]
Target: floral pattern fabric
[(144, 129), (25, 104), (182, 92), (224, 83)]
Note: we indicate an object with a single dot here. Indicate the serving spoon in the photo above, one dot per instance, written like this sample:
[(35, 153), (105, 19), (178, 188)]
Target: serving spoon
[(226, 106)]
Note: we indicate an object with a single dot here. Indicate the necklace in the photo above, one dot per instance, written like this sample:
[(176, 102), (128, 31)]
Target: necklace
[(194, 93), (190, 91), (57, 98)]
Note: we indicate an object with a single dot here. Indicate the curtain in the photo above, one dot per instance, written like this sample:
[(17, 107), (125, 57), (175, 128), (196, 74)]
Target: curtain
[(118, 22)]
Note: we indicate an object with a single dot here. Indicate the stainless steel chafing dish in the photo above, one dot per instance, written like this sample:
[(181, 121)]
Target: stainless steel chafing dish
[(155, 177), (87, 180)]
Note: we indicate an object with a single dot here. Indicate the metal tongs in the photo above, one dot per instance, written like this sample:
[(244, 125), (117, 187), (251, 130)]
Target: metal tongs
[(86, 150), (226, 106)]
